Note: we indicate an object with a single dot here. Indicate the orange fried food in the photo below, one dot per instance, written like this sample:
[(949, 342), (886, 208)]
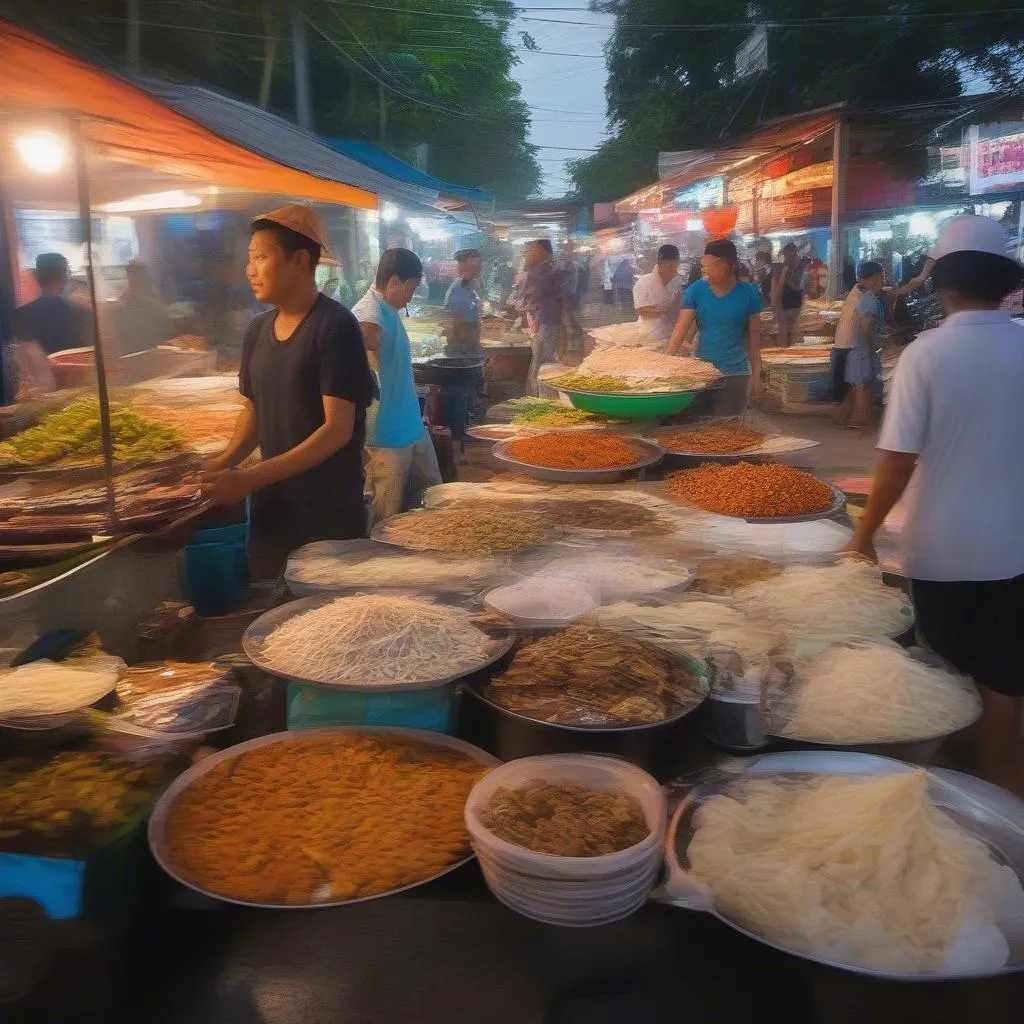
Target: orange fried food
[(322, 819), (574, 450), (751, 490), (713, 439)]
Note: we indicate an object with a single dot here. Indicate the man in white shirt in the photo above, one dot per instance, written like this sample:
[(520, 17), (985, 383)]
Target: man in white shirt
[(953, 432), (657, 295)]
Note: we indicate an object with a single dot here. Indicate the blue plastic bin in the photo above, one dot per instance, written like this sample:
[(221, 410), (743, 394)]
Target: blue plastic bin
[(214, 576), (313, 706)]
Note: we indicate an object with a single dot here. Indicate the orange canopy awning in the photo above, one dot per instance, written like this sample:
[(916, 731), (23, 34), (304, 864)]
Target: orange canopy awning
[(124, 122)]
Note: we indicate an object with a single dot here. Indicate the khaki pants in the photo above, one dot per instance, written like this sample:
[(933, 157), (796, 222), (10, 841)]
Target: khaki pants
[(397, 477)]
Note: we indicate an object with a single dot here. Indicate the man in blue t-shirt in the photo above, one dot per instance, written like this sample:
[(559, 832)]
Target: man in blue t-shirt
[(727, 313), (401, 462)]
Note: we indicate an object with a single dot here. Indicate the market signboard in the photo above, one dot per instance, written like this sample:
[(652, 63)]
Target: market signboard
[(997, 157)]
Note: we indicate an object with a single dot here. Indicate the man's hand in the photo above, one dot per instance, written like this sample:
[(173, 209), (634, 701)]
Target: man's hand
[(686, 348), (227, 488), (860, 548)]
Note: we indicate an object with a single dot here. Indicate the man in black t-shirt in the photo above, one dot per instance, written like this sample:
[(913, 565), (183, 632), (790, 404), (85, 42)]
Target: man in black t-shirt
[(51, 320), (306, 385)]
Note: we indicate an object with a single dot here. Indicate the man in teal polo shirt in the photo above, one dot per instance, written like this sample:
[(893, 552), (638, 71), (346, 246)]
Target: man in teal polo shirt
[(401, 462)]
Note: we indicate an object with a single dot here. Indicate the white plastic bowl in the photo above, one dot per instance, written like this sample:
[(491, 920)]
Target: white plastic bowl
[(571, 891)]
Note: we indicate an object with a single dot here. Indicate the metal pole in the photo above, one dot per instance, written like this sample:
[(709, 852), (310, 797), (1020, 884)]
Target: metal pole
[(85, 221), (840, 149), (300, 51), (134, 37)]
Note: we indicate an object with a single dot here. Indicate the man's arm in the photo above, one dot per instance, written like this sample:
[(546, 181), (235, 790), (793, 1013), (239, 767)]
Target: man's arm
[(230, 487), (892, 474), (372, 341), (244, 439), (686, 319)]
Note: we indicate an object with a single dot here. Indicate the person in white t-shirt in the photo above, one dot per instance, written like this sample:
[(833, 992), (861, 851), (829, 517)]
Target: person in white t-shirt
[(953, 432), (657, 295)]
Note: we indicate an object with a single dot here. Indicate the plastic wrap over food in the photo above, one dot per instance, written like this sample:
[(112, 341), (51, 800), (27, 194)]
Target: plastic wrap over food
[(787, 543), (612, 571), (868, 692), (173, 704), (857, 861), (736, 651), (349, 565)]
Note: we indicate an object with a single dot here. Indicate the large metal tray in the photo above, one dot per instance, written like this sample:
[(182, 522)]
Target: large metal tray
[(649, 454), (990, 813), (158, 820), (837, 506), (501, 636)]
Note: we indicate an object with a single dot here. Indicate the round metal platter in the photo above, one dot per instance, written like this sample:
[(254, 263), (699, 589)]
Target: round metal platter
[(649, 454), (983, 809), (156, 831), (837, 506), (501, 638)]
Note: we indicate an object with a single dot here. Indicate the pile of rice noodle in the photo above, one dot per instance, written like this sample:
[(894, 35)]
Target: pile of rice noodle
[(865, 871), (316, 566), (646, 363), (45, 687), (872, 692), (376, 639), (845, 599), (614, 576), (814, 542)]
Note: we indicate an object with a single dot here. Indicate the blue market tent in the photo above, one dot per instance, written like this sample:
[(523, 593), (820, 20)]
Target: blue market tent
[(451, 197)]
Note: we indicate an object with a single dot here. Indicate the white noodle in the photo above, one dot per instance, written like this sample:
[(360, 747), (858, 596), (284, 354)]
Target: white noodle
[(845, 599), (371, 639), (405, 570), (860, 870), (51, 688), (873, 693)]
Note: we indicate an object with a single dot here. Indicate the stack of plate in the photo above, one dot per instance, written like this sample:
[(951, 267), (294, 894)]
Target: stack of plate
[(570, 891)]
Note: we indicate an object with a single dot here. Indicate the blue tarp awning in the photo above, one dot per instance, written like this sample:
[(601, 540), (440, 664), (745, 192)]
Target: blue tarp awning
[(373, 156)]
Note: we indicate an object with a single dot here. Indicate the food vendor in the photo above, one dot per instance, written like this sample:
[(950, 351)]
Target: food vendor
[(462, 306), (541, 296), (854, 365), (657, 296), (401, 461), (951, 442), (306, 385), (727, 313), (52, 321), (788, 296)]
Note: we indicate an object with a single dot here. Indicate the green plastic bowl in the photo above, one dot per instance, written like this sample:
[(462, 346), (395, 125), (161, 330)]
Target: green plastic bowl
[(632, 407)]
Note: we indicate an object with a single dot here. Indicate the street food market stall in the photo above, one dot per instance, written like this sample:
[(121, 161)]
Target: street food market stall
[(339, 751)]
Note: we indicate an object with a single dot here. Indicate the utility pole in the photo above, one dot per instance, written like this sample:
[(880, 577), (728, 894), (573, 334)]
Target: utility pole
[(134, 37), (300, 49)]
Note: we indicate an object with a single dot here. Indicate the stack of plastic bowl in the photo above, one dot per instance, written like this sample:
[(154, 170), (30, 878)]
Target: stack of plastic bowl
[(571, 891)]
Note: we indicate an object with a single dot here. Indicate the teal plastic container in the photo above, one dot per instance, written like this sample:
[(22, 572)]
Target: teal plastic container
[(310, 707)]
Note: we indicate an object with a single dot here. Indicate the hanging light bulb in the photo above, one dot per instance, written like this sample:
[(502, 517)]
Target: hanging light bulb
[(42, 151)]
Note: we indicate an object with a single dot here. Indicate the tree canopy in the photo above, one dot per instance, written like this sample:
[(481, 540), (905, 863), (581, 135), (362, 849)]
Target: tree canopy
[(437, 72), (672, 82)]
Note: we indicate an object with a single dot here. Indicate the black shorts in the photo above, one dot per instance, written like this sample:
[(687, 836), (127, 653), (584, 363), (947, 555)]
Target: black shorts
[(977, 626), (837, 369)]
